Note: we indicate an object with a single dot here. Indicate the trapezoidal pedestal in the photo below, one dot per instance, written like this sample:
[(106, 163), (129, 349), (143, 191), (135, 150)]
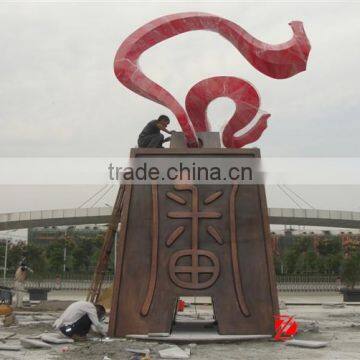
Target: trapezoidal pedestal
[(194, 240)]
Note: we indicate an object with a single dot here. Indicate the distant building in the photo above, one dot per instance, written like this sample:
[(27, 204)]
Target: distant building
[(44, 236)]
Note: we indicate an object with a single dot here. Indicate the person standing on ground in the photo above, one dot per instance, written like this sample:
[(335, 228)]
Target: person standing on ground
[(19, 284), (151, 137), (76, 321)]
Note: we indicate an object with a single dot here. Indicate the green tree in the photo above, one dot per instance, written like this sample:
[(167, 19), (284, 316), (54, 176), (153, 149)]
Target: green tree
[(290, 257), (55, 256), (36, 258), (300, 257), (15, 254), (85, 253), (351, 270)]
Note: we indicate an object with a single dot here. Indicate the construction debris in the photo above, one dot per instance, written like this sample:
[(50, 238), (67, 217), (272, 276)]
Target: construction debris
[(9, 347), (307, 344), (64, 349), (56, 339), (139, 351), (9, 320), (355, 325), (34, 344), (29, 319), (5, 309), (6, 336), (104, 339), (174, 352), (305, 326), (44, 317), (333, 305)]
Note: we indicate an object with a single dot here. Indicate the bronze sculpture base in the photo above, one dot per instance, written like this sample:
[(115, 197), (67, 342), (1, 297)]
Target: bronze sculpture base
[(188, 240)]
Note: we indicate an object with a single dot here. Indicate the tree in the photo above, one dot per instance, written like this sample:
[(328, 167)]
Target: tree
[(85, 253), (290, 258), (33, 254), (301, 258), (15, 254), (35, 258), (55, 256), (350, 274)]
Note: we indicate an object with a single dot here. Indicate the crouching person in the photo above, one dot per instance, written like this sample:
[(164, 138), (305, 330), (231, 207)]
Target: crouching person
[(79, 317)]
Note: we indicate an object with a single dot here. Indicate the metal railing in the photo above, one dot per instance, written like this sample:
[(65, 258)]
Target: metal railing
[(285, 283), (101, 215)]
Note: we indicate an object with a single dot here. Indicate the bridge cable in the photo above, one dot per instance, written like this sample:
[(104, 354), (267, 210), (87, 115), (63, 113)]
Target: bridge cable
[(298, 196), (91, 197), (102, 196), (290, 197)]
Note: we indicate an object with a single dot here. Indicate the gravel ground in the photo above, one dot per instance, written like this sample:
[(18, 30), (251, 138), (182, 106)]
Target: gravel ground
[(339, 326)]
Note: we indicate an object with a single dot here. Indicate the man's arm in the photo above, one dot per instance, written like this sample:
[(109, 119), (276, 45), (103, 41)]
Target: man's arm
[(163, 128), (91, 313)]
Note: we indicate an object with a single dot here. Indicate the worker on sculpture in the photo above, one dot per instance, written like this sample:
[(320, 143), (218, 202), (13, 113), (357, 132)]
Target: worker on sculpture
[(77, 320), (151, 137)]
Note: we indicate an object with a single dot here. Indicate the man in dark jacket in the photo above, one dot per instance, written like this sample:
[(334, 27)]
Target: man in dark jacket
[(151, 137)]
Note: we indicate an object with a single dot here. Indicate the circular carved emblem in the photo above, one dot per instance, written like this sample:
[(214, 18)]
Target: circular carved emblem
[(195, 269)]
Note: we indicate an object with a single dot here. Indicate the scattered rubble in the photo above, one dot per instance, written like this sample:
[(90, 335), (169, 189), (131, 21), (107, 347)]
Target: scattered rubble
[(5, 336), (138, 351), (310, 344), (64, 349), (333, 305), (305, 326), (44, 317), (9, 320), (337, 327), (174, 352), (32, 344), (9, 347), (55, 339)]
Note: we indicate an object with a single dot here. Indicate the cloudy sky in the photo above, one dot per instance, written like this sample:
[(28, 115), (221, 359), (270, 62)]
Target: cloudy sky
[(59, 96)]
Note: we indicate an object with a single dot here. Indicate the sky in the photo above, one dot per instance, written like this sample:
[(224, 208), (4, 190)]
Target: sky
[(59, 95)]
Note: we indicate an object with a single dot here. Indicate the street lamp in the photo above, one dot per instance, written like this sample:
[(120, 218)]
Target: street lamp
[(65, 249), (6, 256)]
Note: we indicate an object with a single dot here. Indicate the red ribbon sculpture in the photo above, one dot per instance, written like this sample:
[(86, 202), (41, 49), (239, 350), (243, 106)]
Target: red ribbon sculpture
[(277, 61)]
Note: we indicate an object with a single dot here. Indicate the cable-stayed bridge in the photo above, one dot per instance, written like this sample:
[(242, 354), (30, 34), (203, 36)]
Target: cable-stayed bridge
[(101, 215)]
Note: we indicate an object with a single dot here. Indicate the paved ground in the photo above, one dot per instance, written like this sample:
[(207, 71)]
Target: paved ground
[(339, 326), (292, 297)]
